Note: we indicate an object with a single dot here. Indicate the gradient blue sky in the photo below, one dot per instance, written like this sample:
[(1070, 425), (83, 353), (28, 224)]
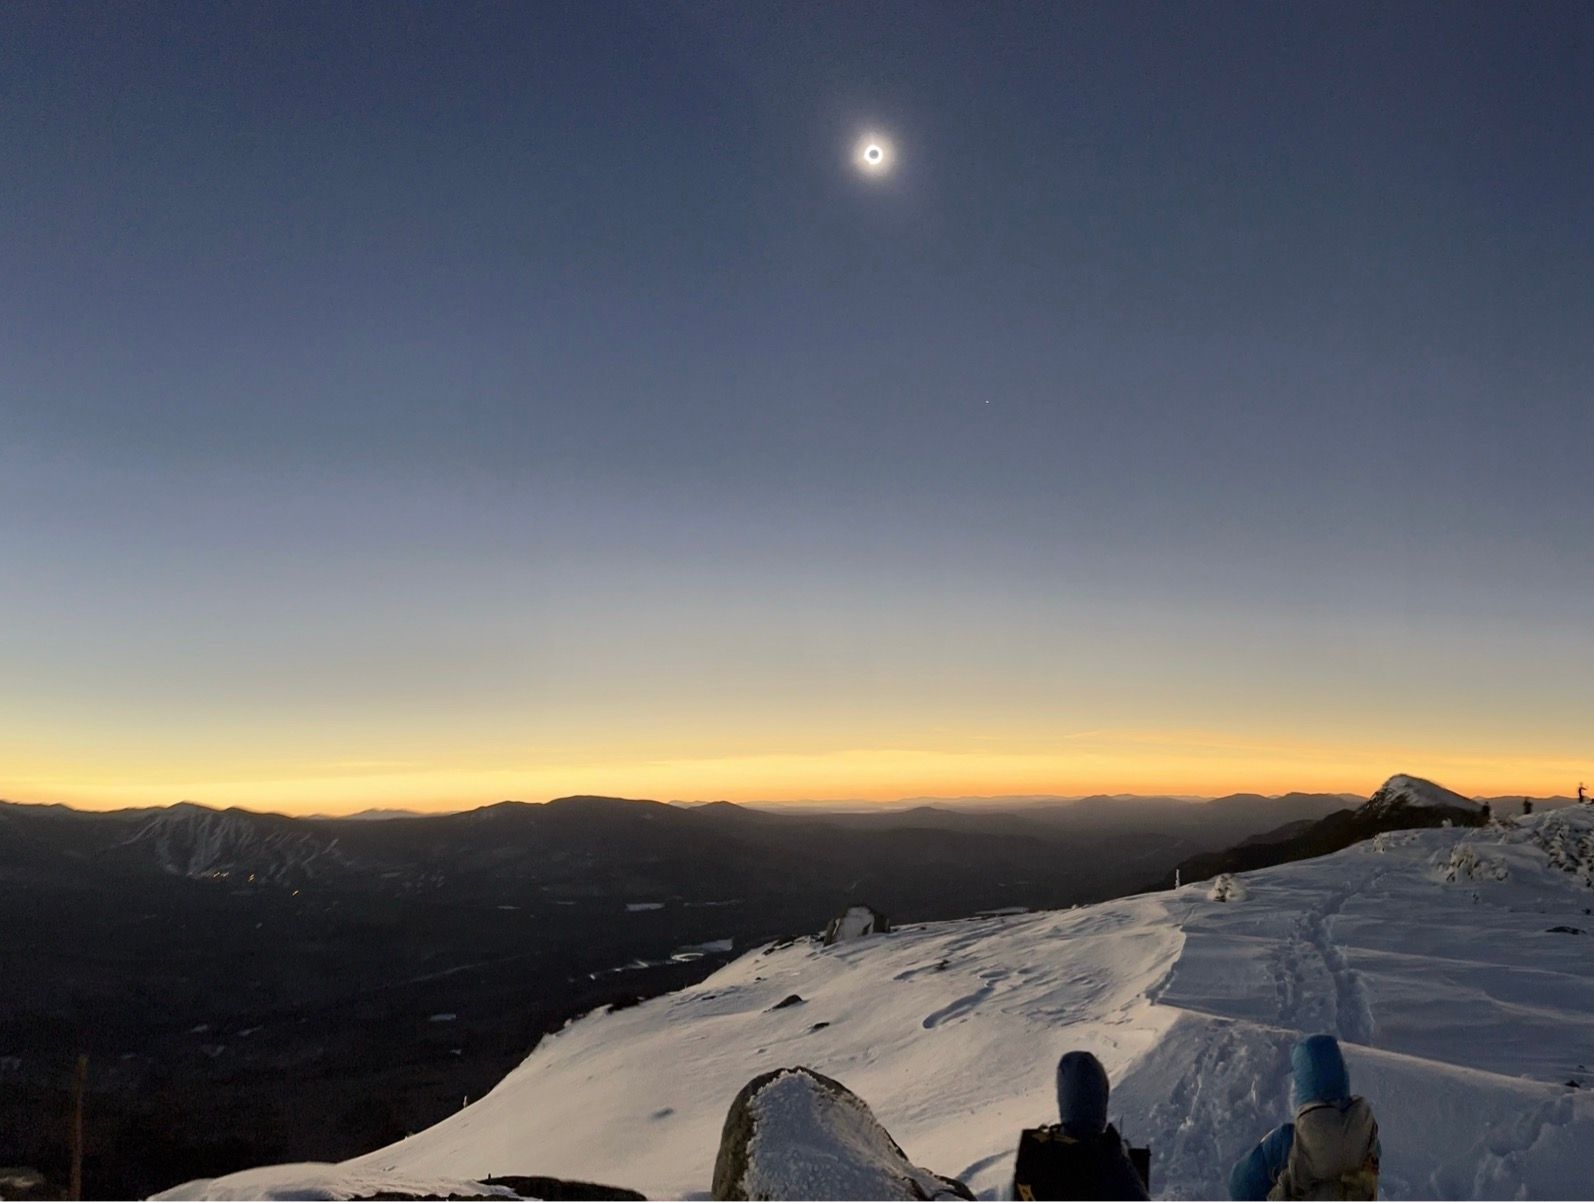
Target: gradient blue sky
[(436, 403)]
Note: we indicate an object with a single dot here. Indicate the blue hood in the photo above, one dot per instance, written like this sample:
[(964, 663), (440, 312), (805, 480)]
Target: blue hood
[(1320, 1074), (1082, 1094)]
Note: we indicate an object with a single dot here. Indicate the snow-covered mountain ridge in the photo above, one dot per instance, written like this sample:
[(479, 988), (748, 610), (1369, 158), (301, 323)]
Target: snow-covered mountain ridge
[(1412, 792), (1454, 963), (200, 843)]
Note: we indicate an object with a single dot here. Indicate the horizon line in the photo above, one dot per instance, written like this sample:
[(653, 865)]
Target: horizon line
[(844, 804)]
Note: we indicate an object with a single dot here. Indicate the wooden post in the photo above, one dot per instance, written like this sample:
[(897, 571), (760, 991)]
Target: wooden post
[(76, 1192)]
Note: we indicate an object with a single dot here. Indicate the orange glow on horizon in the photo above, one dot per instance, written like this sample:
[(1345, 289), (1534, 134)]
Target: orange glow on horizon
[(1093, 762)]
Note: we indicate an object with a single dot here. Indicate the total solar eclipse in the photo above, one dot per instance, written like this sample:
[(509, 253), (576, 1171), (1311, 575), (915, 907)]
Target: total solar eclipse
[(873, 155)]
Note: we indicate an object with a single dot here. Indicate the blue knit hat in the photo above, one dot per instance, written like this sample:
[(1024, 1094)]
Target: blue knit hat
[(1320, 1073), (1082, 1094)]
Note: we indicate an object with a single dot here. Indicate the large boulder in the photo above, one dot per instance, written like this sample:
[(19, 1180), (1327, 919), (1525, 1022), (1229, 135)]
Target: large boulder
[(794, 1133), (854, 923)]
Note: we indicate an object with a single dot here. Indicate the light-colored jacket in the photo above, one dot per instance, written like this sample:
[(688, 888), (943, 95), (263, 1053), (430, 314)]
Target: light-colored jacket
[(1334, 1153), (1339, 1148)]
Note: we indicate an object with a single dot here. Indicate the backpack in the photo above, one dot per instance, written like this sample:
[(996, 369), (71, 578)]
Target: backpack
[(1052, 1165), (1334, 1153)]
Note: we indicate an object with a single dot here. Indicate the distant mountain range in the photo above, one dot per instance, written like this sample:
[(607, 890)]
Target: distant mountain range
[(913, 859), (646, 851), (202, 956)]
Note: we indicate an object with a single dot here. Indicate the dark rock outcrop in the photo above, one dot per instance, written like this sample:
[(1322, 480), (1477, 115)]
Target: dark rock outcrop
[(549, 1189), (557, 1189)]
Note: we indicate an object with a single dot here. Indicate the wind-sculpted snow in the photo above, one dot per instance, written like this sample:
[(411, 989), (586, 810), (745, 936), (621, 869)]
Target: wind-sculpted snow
[(1466, 1006)]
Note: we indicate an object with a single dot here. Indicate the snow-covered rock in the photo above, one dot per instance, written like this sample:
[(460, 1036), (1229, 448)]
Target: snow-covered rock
[(855, 923), (794, 1133), (1463, 1014)]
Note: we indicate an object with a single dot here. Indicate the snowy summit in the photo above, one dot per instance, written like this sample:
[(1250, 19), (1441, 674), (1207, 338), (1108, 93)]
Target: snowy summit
[(1412, 792), (1454, 964)]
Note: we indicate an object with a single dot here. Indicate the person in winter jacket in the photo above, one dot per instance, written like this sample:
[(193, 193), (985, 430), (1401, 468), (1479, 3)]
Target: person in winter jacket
[(1331, 1150), (1082, 1156)]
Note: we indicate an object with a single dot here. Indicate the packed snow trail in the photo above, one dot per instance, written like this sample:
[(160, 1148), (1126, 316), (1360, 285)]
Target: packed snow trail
[(1463, 1012)]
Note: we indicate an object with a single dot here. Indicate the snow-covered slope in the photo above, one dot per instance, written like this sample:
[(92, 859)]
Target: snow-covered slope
[(1456, 964)]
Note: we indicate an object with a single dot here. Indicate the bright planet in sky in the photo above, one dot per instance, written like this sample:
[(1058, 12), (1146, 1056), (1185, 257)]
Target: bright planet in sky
[(873, 155)]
